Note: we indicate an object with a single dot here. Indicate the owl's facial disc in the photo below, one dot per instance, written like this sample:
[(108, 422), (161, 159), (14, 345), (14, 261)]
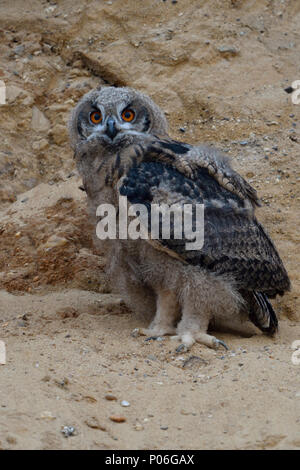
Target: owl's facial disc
[(115, 116), (113, 123)]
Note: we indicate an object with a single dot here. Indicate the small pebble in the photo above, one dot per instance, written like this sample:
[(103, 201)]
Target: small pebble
[(94, 423), (228, 50), (139, 427), (68, 431), (125, 403), (117, 419), (110, 397)]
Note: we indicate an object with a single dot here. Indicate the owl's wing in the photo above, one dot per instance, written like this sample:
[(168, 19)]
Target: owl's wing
[(235, 244), (187, 159)]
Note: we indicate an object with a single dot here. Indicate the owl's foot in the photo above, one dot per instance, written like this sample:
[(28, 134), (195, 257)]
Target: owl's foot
[(154, 332), (188, 339)]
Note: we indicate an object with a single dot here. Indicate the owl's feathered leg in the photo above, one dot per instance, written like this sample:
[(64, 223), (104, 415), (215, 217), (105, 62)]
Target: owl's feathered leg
[(192, 328), (202, 297), (167, 314)]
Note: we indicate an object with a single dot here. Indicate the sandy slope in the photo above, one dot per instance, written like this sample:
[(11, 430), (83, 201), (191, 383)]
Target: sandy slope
[(218, 69)]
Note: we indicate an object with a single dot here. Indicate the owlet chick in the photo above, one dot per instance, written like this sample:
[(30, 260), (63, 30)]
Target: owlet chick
[(123, 150)]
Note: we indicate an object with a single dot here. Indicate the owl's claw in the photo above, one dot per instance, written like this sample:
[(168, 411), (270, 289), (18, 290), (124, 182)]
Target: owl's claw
[(182, 348), (189, 339), (219, 342)]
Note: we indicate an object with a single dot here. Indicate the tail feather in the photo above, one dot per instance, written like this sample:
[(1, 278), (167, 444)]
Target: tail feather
[(261, 312)]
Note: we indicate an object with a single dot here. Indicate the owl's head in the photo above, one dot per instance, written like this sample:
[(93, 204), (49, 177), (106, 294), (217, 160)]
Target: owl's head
[(114, 116)]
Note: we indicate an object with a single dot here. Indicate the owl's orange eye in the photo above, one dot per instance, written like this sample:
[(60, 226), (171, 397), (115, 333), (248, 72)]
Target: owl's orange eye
[(128, 115), (96, 117)]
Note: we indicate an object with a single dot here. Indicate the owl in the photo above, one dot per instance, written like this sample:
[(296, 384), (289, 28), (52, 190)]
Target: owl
[(122, 150)]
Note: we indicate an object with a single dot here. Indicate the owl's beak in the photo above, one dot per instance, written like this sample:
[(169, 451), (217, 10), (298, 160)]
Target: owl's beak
[(111, 129)]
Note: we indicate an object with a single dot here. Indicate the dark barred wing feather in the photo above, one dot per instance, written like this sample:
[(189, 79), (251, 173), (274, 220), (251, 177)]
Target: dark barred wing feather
[(235, 243)]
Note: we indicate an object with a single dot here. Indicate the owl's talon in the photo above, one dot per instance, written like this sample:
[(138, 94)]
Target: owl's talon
[(219, 342), (182, 348), (151, 338)]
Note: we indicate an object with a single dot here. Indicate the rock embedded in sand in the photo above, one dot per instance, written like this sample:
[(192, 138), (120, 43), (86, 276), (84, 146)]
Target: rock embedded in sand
[(68, 431), (117, 419), (125, 403), (53, 242), (93, 423), (39, 122), (110, 397), (228, 50)]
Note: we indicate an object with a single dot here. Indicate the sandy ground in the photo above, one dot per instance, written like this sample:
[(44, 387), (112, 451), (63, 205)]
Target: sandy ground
[(219, 70)]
